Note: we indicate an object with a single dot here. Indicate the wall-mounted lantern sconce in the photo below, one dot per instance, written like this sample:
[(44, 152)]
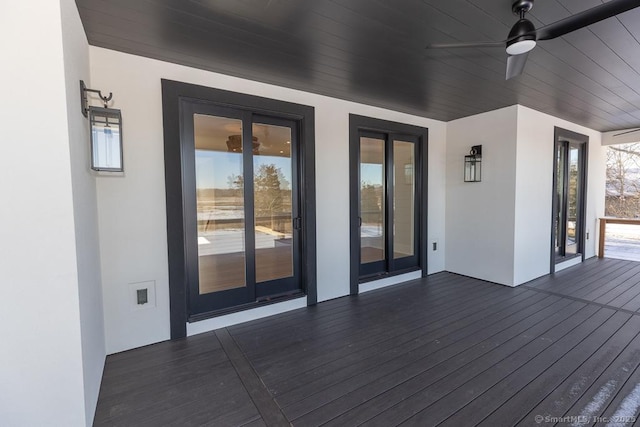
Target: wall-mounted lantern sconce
[(105, 125), (473, 165)]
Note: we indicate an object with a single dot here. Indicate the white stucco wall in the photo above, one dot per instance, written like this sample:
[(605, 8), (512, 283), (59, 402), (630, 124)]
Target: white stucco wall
[(534, 183), (41, 379), (133, 242), (500, 229), (85, 207), (480, 215)]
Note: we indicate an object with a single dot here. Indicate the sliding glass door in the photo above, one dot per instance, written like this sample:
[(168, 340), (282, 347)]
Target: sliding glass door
[(569, 195), (387, 203), (241, 207)]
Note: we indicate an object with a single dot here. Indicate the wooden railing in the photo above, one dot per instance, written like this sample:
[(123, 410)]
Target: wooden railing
[(603, 229)]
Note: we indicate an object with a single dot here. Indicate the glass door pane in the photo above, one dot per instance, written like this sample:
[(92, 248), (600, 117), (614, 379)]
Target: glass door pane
[(219, 202), (403, 199), (372, 200), (273, 204), (241, 207), (560, 200), (572, 199), (568, 220)]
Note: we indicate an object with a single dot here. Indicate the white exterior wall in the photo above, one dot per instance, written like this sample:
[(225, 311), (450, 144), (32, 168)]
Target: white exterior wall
[(500, 229), (41, 379), (85, 206), (534, 184), (133, 242), (480, 215)]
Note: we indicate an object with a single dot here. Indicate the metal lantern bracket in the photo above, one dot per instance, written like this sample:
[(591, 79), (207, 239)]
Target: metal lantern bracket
[(84, 99), (473, 165)]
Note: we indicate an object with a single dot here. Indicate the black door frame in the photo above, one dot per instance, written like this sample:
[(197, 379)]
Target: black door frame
[(172, 94), (358, 124), (378, 266), (200, 305), (275, 287), (583, 140), (390, 264)]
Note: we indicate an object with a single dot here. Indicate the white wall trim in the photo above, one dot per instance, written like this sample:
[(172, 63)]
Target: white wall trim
[(245, 316), (622, 136), (282, 307), (567, 264), (389, 281)]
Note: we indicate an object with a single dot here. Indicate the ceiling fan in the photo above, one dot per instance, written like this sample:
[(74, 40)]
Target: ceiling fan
[(523, 35)]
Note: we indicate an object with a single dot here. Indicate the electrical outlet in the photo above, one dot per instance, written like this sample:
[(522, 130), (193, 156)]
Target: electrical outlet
[(142, 295), (434, 244)]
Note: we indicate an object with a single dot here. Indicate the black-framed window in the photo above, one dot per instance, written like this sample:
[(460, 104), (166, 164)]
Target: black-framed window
[(287, 218), (388, 193)]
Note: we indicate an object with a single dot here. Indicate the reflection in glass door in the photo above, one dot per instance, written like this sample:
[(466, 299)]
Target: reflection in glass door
[(372, 203), (569, 191), (244, 237), (220, 204), (273, 201), (560, 235), (404, 191), (387, 203), (573, 196)]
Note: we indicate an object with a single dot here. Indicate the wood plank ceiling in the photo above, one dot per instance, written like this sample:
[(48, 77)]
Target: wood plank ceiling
[(373, 52)]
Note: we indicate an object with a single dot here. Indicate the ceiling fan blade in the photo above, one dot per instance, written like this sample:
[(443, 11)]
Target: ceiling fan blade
[(461, 45), (515, 65), (585, 18)]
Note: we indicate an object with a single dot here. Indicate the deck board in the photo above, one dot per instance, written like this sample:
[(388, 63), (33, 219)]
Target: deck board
[(384, 392), (310, 382), (383, 363), (439, 381), (611, 282), (563, 390), (568, 333), (548, 366), (445, 349), (333, 347)]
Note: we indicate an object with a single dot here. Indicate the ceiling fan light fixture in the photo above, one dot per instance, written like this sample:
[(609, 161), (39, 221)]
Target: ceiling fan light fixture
[(520, 47), (522, 37)]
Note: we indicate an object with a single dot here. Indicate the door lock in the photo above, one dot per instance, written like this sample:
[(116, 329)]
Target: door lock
[(297, 223)]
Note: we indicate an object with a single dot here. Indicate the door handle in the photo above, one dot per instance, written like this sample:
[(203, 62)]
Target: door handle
[(297, 223)]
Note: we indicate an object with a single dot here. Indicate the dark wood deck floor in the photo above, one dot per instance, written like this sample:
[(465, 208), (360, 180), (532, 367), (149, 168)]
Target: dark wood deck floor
[(443, 350)]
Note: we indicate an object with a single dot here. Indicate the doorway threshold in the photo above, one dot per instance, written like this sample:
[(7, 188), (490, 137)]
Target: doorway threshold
[(569, 263), (237, 317), (389, 281)]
